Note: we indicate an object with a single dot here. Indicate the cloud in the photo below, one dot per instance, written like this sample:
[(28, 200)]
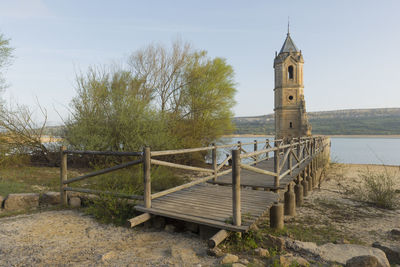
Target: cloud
[(24, 9)]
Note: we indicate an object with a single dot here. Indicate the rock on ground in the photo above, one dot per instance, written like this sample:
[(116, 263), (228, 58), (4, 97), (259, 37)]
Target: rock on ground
[(395, 233), (16, 202), (290, 260), (392, 252), (70, 238), (274, 242), (363, 261), (339, 253), (262, 252), (229, 258)]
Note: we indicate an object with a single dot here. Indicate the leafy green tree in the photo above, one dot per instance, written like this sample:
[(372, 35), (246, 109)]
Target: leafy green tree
[(111, 112), (166, 98), (205, 112)]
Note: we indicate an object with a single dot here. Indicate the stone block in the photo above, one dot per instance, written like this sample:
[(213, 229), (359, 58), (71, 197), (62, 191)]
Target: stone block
[(17, 202), (51, 198), (75, 202)]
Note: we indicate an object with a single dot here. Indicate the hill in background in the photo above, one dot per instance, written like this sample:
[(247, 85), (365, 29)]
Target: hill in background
[(380, 121)]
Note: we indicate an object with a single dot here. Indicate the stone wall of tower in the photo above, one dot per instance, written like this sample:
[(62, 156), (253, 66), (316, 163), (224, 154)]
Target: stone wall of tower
[(290, 113)]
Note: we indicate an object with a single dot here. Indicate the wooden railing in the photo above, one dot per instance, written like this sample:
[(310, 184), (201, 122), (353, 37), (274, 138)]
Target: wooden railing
[(64, 181), (299, 150)]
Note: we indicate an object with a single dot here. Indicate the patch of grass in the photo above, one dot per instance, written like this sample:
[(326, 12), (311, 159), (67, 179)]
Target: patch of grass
[(312, 230), (22, 179), (8, 187), (248, 241)]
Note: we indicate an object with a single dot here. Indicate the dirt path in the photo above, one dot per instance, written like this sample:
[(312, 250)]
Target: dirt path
[(69, 238)]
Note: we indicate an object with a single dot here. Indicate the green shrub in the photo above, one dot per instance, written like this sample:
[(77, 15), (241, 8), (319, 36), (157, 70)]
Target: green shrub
[(378, 188), (109, 209), (13, 159)]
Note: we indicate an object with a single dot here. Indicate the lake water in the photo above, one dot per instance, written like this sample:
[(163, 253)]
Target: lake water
[(356, 150)]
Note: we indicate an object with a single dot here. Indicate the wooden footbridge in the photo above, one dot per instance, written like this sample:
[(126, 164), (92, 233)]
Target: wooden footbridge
[(233, 194)]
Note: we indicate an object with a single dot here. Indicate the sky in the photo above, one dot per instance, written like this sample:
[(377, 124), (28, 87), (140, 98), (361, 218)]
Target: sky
[(350, 48)]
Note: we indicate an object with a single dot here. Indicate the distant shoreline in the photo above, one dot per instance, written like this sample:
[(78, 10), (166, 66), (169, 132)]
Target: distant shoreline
[(335, 136), (365, 136)]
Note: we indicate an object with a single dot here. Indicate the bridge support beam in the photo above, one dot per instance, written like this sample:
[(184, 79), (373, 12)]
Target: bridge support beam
[(290, 201), (304, 183), (298, 190), (276, 216), (309, 178)]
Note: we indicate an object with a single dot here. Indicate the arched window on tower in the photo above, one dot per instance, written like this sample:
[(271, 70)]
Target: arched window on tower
[(290, 72), (291, 125)]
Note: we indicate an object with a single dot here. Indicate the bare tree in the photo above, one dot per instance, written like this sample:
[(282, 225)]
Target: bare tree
[(20, 131), (162, 72), (5, 58)]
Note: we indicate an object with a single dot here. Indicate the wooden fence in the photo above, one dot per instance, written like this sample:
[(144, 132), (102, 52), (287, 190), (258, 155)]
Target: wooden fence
[(292, 154)]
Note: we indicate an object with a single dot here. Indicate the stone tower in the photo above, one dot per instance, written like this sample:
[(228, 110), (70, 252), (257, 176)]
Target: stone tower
[(290, 110)]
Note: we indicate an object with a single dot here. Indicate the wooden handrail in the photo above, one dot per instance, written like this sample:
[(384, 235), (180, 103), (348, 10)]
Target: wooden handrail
[(256, 153), (104, 153), (224, 162), (180, 166), (104, 171), (187, 185), (283, 161), (257, 170), (180, 151)]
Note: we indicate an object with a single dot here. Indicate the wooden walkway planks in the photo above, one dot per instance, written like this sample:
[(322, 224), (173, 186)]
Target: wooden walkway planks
[(211, 205), (253, 179)]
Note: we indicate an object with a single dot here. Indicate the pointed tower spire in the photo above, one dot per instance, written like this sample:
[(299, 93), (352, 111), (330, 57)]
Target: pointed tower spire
[(288, 26)]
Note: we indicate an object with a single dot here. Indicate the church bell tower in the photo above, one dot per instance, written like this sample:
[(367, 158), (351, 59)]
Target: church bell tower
[(290, 111)]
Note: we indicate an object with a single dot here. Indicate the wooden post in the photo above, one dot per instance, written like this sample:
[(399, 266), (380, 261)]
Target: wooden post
[(298, 190), (309, 178), (276, 216), (63, 176), (298, 152), (267, 146), (147, 177), (290, 201), (237, 217), (276, 164), (255, 149), (290, 164), (214, 161)]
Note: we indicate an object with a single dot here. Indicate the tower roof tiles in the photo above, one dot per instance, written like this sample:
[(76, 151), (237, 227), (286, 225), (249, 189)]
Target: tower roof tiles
[(288, 45)]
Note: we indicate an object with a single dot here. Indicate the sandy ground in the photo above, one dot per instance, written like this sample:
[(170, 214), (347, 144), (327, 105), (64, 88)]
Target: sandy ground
[(359, 220), (69, 238)]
